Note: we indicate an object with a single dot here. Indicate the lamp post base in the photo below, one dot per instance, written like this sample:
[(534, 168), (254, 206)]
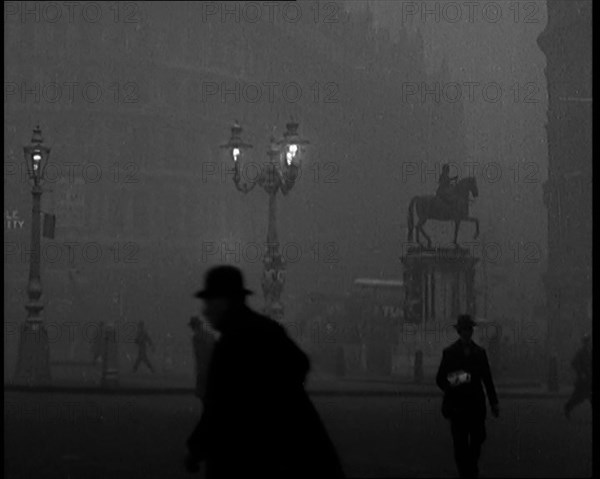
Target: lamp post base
[(110, 363), (33, 361), (272, 284)]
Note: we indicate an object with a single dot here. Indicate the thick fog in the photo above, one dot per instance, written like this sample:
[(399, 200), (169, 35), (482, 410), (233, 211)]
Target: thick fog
[(359, 119)]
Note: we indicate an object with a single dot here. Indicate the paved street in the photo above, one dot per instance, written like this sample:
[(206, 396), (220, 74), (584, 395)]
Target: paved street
[(129, 436)]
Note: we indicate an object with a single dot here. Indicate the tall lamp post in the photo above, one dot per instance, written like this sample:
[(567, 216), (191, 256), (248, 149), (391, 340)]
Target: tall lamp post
[(279, 174), (33, 361)]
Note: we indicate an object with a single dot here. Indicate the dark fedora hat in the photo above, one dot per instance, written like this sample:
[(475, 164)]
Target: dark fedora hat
[(464, 321), (223, 281)]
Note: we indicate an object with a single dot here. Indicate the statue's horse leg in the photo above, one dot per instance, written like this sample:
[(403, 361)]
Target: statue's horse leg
[(423, 214), (420, 228), (476, 221), (456, 227)]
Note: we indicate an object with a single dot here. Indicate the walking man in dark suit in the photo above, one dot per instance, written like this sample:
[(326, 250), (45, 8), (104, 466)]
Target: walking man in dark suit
[(463, 369), (257, 420)]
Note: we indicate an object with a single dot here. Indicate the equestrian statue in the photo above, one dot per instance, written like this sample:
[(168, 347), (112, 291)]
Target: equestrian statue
[(450, 203)]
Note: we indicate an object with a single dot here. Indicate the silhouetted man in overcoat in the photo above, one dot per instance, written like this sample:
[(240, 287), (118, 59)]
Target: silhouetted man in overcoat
[(257, 420), (463, 369)]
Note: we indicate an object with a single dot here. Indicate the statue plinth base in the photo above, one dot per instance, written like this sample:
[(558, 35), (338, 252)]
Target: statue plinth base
[(439, 285), (439, 255)]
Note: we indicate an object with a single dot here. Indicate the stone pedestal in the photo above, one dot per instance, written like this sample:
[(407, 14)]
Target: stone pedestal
[(439, 285)]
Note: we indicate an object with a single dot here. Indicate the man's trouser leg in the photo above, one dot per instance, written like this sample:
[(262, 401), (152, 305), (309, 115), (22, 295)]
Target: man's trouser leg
[(136, 365), (460, 437), (147, 361), (476, 438)]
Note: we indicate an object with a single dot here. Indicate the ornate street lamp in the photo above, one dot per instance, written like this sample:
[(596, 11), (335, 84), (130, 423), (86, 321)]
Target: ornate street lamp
[(279, 174), (293, 145), (33, 361)]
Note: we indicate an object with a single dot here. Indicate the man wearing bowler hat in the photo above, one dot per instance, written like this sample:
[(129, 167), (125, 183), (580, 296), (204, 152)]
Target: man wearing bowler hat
[(257, 419), (463, 369)]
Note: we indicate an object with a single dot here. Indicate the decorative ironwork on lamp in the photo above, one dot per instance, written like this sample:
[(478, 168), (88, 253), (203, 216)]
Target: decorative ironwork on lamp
[(278, 174), (36, 156)]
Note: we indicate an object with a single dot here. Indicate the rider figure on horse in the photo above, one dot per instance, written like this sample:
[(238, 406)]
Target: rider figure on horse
[(446, 185)]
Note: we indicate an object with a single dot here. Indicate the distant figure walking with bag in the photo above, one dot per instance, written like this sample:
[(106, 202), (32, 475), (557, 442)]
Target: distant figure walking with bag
[(463, 369)]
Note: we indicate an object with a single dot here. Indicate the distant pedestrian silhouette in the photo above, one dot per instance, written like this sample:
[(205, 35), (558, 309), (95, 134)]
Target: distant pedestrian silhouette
[(143, 341), (463, 368), (582, 364), (257, 419), (98, 344)]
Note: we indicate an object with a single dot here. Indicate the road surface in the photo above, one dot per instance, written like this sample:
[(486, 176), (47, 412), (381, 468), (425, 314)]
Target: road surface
[(92, 436)]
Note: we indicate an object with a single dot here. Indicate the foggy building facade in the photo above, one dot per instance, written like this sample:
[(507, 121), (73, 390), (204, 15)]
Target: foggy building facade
[(568, 191), (148, 199)]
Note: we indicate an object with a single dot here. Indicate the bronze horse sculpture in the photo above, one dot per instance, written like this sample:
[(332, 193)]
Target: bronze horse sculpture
[(431, 207)]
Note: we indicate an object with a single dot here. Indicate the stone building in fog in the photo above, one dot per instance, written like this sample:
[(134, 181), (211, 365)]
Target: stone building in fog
[(567, 44), (149, 200)]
